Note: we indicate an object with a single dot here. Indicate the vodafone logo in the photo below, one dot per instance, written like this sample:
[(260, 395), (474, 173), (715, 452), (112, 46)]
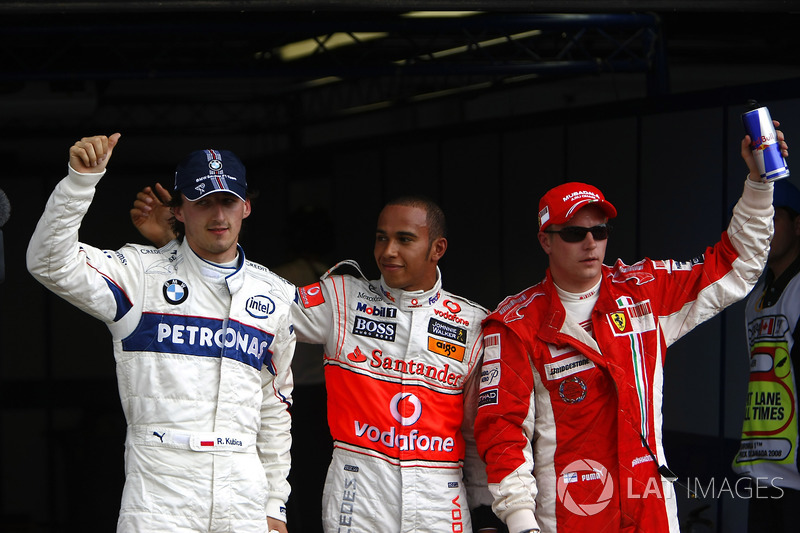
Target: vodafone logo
[(313, 290), (452, 306), (311, 295), (582, 471), (399, 406)]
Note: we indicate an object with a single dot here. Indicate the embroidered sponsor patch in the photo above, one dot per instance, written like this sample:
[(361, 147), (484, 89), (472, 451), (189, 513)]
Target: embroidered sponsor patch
[(175, 291), (572, 390), (311, 295), (567, 367), (372, 328), (448, 331), (544, 215), (632, 318), (447, 349), (374, 310), (490, 375), (681, 265), (487, 397), (491, 350), (260, 306), (620, 320)]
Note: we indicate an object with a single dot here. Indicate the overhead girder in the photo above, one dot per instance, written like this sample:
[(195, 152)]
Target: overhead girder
[(241, 45), (413, 57), (397, 6)]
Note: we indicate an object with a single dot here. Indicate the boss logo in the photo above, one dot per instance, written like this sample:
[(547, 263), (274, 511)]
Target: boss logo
[(372, 328)]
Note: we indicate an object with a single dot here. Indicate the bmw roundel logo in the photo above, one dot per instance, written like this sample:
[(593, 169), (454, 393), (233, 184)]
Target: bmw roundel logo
[(175, 291), (215, 165)]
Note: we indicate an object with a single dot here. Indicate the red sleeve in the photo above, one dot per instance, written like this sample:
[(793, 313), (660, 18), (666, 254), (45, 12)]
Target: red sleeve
[(504, 424)]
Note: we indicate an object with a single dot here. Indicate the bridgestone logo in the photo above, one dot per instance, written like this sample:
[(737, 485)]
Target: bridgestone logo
[(567, 367)]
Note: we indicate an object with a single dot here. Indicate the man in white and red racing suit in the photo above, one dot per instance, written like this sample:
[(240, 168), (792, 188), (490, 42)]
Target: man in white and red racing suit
[(569, 417), (401, 370), (203, 354)]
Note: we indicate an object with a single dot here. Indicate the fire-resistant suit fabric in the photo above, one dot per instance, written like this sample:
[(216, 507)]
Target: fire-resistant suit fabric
[(203, 357), (568, 423), (401, 371), (770, 435)]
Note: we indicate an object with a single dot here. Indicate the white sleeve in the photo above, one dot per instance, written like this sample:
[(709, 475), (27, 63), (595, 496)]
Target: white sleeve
[(313, 312), (750, 229), (274, 437), (99, 282)]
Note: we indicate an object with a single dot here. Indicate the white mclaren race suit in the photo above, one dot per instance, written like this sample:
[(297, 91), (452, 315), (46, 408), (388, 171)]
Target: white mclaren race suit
[(401, 371), (203, 360)]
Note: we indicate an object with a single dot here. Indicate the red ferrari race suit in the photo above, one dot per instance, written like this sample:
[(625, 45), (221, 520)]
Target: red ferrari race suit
[(401, 372), (203, 357), (569, 423)]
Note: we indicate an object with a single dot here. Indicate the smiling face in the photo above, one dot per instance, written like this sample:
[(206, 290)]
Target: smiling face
[(213, 224), (403, 250), (576, 266)]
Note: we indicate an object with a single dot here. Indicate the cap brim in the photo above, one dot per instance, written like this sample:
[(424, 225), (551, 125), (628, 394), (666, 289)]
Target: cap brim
[(608, 210), (194, 195)]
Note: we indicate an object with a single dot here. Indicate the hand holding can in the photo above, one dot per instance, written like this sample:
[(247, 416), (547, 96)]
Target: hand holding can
[(764, 142)]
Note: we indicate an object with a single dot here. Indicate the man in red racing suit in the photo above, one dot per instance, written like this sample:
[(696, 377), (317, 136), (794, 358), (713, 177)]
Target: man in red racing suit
[(569, 417)]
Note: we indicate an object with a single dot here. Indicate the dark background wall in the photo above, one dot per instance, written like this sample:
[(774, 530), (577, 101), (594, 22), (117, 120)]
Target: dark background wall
[(669, 161)]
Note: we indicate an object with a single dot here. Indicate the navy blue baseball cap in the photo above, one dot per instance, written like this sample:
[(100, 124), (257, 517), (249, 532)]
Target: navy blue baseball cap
[(207, 171), (786, 195)]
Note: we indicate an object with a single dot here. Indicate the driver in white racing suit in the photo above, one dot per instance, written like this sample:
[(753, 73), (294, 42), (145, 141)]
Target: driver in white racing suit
[(203, 344)]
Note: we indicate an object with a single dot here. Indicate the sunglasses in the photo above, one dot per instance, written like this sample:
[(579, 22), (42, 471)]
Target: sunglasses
[(578, 233)]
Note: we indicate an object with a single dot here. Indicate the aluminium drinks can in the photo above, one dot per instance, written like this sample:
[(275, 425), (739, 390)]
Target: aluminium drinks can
[(764, 143)]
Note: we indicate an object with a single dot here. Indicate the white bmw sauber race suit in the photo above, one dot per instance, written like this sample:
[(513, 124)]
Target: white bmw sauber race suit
[(203, 360), (401, 376)]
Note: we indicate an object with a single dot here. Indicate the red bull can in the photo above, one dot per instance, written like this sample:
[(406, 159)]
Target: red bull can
[(764, 143)]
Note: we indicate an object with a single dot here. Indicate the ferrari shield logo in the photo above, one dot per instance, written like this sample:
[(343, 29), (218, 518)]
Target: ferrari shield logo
[(621, 323), (619, 320)]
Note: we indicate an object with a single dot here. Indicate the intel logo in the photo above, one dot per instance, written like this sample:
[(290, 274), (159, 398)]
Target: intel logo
[(260, 306)]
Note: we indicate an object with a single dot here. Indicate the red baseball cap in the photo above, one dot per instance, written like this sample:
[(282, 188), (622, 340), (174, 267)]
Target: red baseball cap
[(561, 203)]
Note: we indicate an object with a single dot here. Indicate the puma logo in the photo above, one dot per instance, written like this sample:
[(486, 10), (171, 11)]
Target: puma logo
[(161, 437)]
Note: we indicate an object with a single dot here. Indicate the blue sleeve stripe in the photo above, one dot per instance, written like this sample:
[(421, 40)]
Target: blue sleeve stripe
[(123, 303)]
